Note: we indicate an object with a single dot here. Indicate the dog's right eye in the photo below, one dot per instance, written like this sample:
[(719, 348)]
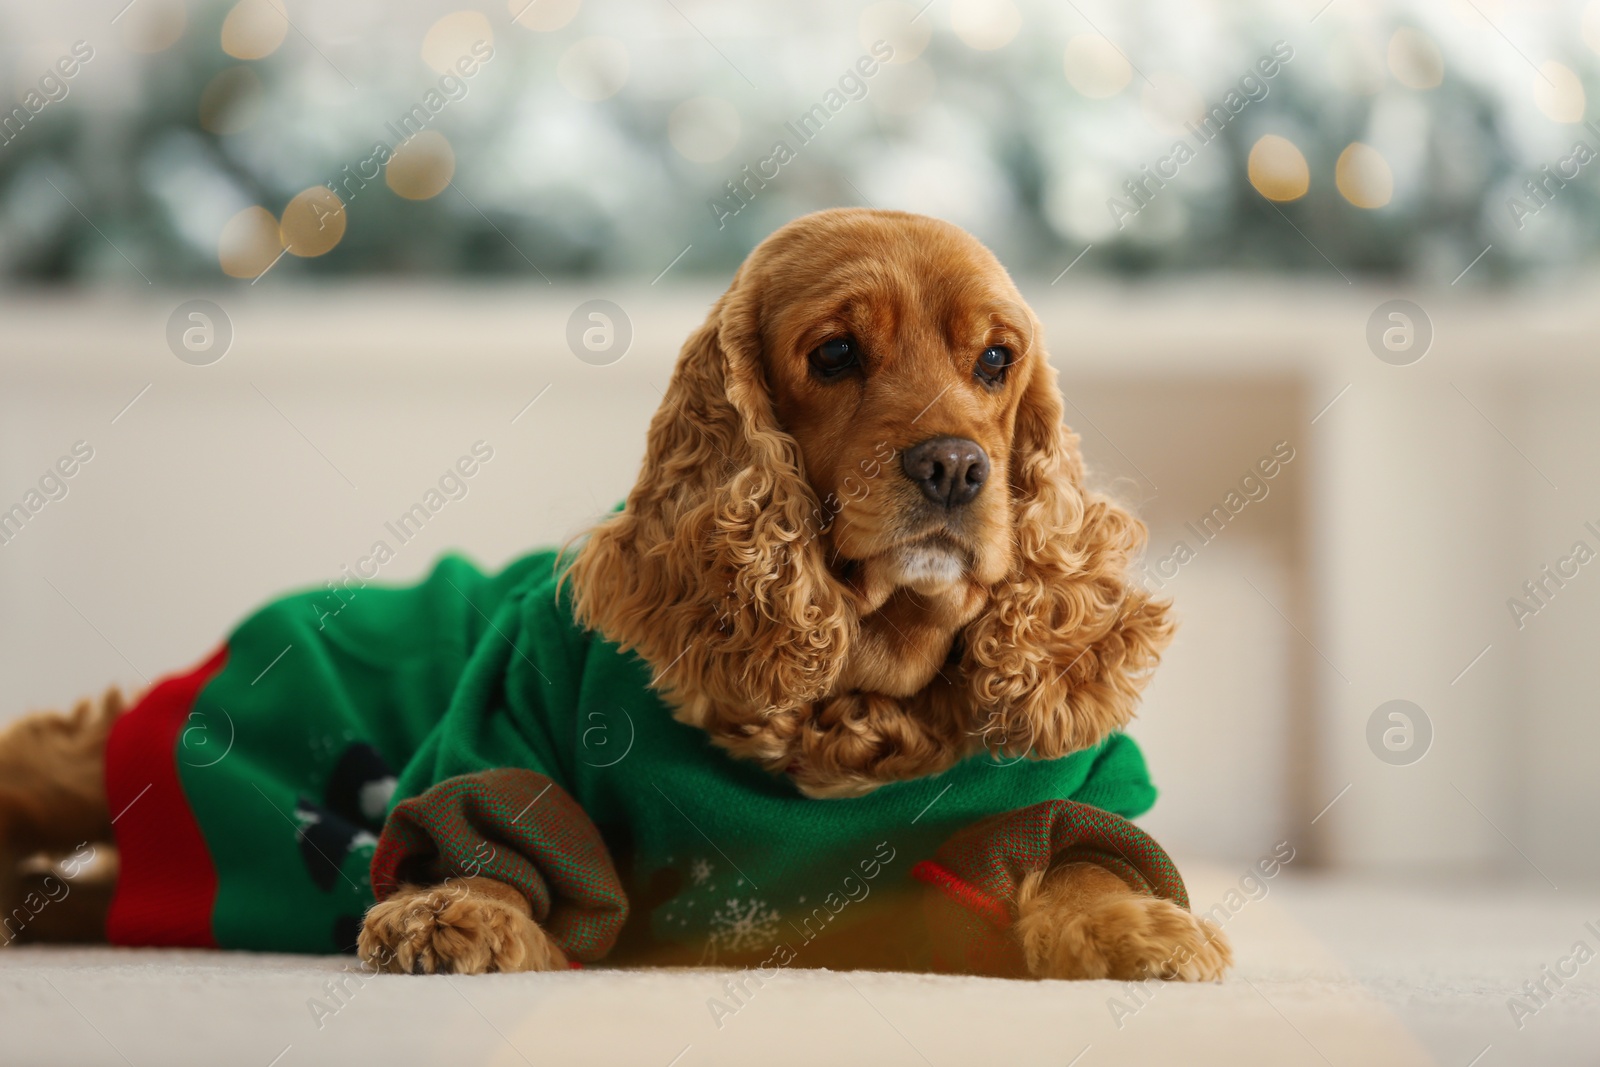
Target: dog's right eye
[(832, 358)]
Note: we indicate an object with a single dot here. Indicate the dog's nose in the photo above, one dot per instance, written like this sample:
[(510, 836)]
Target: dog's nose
[(948, 470)]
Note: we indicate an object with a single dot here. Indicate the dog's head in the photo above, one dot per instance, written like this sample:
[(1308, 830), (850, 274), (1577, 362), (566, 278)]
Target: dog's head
[(861, 547)]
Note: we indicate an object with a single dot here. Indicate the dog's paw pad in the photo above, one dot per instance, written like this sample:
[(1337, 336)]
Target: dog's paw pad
[(450, 930)]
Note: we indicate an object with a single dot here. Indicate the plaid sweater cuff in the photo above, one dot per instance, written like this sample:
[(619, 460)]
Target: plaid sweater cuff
[(517, 827), (973, 879)]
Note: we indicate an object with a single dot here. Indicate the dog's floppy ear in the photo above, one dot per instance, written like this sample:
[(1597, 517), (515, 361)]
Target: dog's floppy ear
[(711, 572), (1060, 655)]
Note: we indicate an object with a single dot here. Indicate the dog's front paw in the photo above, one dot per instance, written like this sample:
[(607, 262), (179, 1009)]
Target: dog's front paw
[(460, 927), (1088, 924)]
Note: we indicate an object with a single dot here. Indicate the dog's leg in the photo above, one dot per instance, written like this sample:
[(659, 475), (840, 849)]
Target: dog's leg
[(1082, 921), (52, 800), (52, 779), (464, 926), (48, 907)]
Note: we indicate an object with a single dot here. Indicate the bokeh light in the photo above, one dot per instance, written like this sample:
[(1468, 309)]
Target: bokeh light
[(313, 223), (542, 15), (1558, 92), (249, 243), (453, 38), (1477, 14), (1095, 67), (422, 167), (254, 29), (896, 24), (1363, 176), (594, 68), (604, 144), (152, 25), (1278, 169), (1414, 59), (985, 24)]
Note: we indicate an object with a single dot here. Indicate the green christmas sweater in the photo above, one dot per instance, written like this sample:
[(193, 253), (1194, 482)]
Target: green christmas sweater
[(346, 741)]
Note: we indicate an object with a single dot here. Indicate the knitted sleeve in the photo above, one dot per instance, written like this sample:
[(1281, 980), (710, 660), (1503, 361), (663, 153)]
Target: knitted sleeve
[(973, 879), (517, 827)]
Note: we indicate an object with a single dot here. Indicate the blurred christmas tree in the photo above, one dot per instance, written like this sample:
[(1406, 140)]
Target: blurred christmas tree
[(562, 139)]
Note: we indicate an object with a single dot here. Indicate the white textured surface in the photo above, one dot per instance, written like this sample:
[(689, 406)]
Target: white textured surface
[(1447, 957), (1384, 957), (1330, 971)]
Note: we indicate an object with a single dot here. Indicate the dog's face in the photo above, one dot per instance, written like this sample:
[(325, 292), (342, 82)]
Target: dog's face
[(860, 547), (895, 359)]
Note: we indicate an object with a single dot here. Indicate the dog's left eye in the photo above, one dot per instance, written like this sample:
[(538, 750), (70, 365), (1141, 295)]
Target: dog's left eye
[(832, 358), (993, 363)]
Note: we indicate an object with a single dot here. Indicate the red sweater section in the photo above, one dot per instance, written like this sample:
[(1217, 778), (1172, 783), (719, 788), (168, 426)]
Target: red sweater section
[(167, 883)]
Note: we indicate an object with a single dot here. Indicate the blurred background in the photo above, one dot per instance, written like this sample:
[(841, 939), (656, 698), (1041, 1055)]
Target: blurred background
[(270, 267), (590, 138)]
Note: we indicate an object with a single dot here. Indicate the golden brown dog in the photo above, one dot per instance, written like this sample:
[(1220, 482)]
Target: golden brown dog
[(859, 490)]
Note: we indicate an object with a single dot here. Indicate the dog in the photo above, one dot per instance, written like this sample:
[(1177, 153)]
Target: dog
[(861, 573)]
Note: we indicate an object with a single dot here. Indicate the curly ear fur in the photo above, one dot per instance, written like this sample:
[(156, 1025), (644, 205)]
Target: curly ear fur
[(711, 571), (1060, 655)]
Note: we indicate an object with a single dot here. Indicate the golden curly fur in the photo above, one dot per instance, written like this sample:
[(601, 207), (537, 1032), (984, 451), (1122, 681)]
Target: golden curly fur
[(782, 610), (464, 926), (1081, 921)]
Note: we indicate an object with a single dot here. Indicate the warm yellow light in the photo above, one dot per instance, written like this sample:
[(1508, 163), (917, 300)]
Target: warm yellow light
[(542, 15), (1278, 170), (249, 243), (454, 38), (1363, 176), (254, 29), (1095, 67), (985, 24), (314, 222), (421, 167), (1559, 93), (1414, 59), (898, 26)]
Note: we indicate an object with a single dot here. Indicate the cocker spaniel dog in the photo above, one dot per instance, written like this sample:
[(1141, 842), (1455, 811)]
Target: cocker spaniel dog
[(840, 684)]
